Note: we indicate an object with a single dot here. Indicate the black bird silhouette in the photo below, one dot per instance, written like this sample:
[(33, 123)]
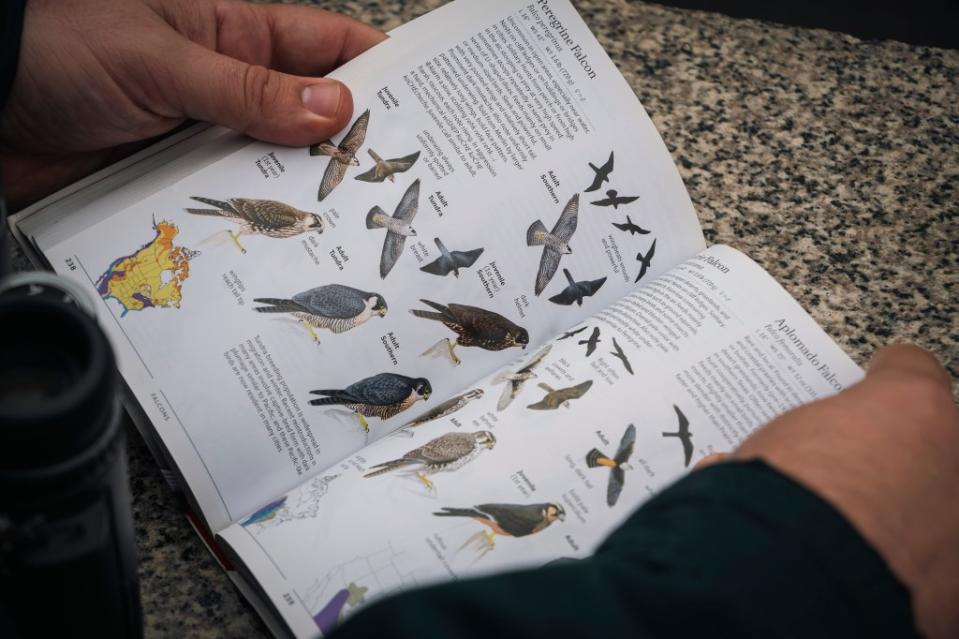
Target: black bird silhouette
[(617, 465), (591, 342), (569, 334), (576, 291), (614, 199), (645, 261), (602, 173), (631, 228), (683, 434), (621, 356), (450, 261)]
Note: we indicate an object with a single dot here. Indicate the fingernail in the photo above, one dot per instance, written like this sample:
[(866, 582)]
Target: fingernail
[(323, 99)]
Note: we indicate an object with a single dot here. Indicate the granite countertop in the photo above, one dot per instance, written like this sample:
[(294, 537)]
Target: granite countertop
[(832, 161)]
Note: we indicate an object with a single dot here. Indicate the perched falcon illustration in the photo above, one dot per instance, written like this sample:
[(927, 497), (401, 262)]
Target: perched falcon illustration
[(569, 334), (617, 465), (621, 356), (386, 169), (506, 520), (614, 199), (397, 227), (445, 453), (450, 261), (601, 173), (629, 227), (334, 307), (383, 396), (555, 243), (576, 291), (474, 327), (260, 217), (515, 380), (556, 398), (591, 342), (448, 407), (645, 261), (683, 435), (341, 155)]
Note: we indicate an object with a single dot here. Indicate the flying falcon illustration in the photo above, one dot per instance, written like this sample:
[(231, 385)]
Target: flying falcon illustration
[(617, 465), (591, 342), (621, 356), (451, 261), (334, 307), (506, 520), (629, 227), (555, 243), (445, 453), (576, 291), (260, 217), (556, 398), (569, 334), (266, 513), (515, 380), (474, 327), (397, 227), (614, 199), (645, 261), (383, 396), (341, 155), (602, 173), (386, 169), (684, 435), (448, 407)]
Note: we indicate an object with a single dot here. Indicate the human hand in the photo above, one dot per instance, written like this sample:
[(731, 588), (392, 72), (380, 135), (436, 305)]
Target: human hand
[(96, 76)]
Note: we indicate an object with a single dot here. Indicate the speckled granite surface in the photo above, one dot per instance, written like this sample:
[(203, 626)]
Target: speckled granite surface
[(831, 161)]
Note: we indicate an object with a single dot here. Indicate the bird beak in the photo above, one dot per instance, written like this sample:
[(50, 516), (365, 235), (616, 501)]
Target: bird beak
[(426, 395), (391, 178), (381, 312)]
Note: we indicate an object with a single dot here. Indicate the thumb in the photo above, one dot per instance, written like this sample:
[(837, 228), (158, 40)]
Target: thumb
[(903, 362)]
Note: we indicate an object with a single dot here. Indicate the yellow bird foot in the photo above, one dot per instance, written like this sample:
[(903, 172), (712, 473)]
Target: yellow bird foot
[(316, 338), (236, 240), (425, 480), (489, 536), (456, 360), (365, 424)]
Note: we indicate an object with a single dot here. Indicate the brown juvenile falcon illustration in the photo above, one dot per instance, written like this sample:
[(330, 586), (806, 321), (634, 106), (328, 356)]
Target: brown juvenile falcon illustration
[(506, 520), (341, 155), (386, 169), (260, 217), (556, 398), (383, 396), (474, 327), (445, 453)]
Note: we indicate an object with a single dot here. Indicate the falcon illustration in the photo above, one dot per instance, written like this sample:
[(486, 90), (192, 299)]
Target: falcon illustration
[(474, 327), (645, 261), (266, 513), (576, 291), (260, 217), (397, 227), (506, 520), (602, 173), (383, 396), (386, 169), (617, 465), (445, 453), (621, 356), (448, 407), (334, 307), (614, 199), (591, 342), (556, 398), (569, 334), (451, 261), (515, 380), (683, 435), (341, 155), (555, 243), (629, 227)]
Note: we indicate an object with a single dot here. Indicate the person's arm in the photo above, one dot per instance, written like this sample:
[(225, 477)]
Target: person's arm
[(11, 25)]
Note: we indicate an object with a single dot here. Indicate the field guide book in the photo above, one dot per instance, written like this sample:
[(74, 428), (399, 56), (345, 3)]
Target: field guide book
[(470, 333)]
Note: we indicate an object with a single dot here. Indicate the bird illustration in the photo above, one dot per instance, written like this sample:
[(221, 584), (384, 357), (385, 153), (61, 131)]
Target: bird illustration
[(614, 199), (569, 334), (602, 173), (684, 435), (397, 227), (260, 217), (515, 380), (556, 398), (383, 396), (445, 453), (386, 169), (506, 520), (645, 261), (555, 243), (629, 227), (265, 513), (334, 307), (448, 407), (576, 291), (591, 342), (451, 261), (617, 465), (474, 327), (341, 155), (621, 356)]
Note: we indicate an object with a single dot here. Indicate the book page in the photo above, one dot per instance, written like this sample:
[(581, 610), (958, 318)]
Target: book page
[(563, 445), (279, 309)]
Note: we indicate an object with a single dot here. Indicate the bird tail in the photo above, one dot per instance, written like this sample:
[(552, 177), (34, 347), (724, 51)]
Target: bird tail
[(316, 150), (277, 305), (370, 223), (569, 278), (385, 467), (332, 400), (535, 233), (441, 316), (665, 434), (221, 207), (593, 457), (458, 512)]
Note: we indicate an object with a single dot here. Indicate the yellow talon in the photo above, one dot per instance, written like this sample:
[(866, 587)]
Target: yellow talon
[(365, 424), (489, 535), (316, 338), (236, 240), (426, 480), (452, 345)]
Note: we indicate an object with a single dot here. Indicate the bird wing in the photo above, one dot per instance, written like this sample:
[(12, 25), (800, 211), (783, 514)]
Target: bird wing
[(353, 140), (374, 155), (406, 209), (567, 297), (626, 445), (466, 258), (604, 202), (617, 477), (392, 249), (370, 176), (548, 264), (601, 174), (621, 227), (399, 165), (517, 520), (335, 170), (510, 390), (566, 224), (683, 422), (334, 301), (381, 390), (265, 213), (444, 449), (440, 266), (575, 392), (479, 321), (569, 334), (536, 359), (593, 285)]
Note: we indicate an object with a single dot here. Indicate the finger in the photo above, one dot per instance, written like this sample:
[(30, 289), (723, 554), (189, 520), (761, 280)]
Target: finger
[(709, 460), (905, 361)]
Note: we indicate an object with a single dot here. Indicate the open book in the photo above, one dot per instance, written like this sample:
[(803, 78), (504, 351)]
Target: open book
[(470, 334)]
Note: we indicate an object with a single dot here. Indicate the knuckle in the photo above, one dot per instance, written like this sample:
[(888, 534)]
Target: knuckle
[(258, 93)]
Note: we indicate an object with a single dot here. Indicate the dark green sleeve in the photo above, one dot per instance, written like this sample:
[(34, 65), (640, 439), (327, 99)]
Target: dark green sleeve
[(735, 550)]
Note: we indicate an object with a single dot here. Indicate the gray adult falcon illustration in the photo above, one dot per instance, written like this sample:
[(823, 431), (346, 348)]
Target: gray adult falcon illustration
[(260, 217), (383, 396), (576, 291), (556, 398), (450, 261), (386, 169), (445, 453), (397, 227), (342, 155), (334, 307), (555, 243), (448, 407), (515, 380)]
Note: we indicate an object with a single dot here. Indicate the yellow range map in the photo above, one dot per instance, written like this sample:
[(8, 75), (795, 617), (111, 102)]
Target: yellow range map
[(152, 277)]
